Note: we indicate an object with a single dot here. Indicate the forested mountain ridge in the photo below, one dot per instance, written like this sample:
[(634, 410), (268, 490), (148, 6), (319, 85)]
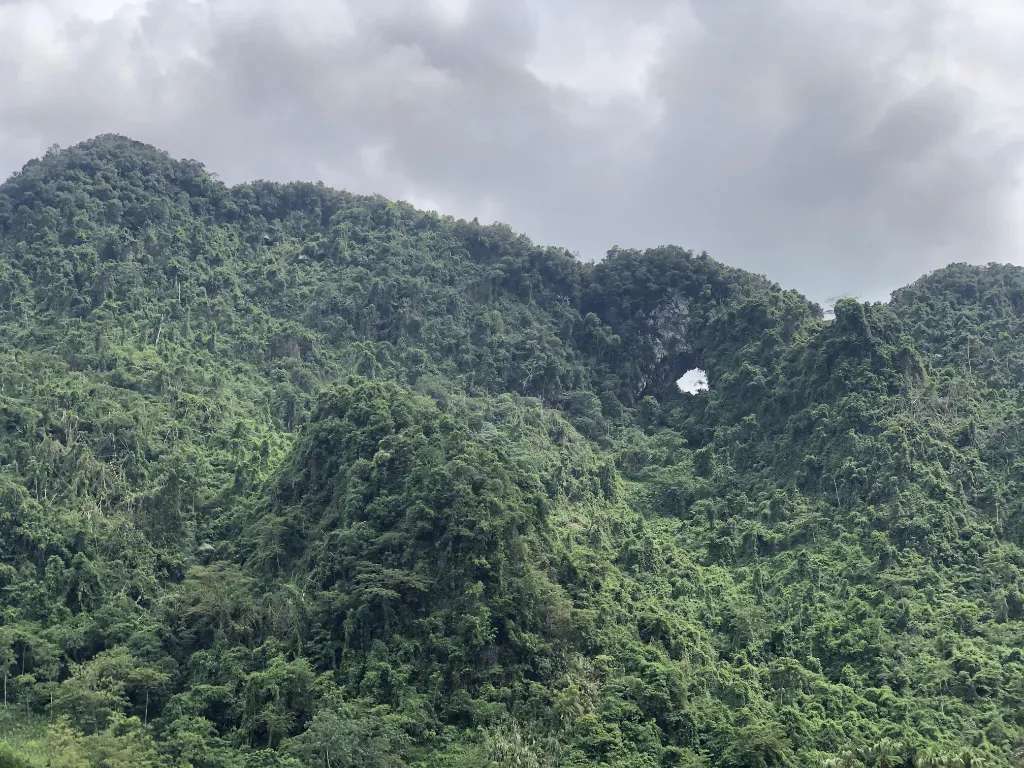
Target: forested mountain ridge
[(293, 477)]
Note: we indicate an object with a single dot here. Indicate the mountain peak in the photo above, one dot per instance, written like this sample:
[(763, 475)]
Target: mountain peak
[(290, 476)]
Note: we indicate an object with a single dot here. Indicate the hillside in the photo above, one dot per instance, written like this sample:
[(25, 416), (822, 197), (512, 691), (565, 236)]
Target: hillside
[(293, 477)]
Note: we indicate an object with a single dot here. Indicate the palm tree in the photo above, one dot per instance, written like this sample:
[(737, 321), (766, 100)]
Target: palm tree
[(886, 753), (928, 757), (847, 759)]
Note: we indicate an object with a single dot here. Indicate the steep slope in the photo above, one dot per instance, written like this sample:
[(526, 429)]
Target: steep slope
[(294, 477)]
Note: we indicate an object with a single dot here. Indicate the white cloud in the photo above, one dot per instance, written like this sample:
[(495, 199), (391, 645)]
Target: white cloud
[(837, 147)]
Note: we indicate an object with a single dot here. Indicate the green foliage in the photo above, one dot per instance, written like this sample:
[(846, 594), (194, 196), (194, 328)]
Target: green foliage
[(10, 759), (292, 477)]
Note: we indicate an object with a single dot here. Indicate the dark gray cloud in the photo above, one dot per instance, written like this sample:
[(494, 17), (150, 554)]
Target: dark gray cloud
[(839, 148)]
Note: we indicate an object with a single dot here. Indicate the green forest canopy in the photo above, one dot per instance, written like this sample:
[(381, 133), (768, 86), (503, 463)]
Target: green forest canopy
[(293, 477)]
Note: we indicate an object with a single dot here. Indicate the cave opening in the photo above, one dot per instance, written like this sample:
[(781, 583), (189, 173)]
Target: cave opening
[(693, 382)]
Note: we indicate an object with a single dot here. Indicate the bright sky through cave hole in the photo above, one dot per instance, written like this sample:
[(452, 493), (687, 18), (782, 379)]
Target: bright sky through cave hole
[(693, 381)]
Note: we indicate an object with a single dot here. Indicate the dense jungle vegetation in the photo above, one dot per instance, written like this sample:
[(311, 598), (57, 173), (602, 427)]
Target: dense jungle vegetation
[(292, 477)]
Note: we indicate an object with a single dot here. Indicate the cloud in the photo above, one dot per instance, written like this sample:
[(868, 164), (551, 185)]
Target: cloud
[(839, 148)]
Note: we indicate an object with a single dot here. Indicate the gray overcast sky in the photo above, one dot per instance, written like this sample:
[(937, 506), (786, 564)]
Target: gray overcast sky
[(838, 147)]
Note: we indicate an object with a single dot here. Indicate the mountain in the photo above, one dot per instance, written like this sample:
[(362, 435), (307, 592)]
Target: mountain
[(294, 477)]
